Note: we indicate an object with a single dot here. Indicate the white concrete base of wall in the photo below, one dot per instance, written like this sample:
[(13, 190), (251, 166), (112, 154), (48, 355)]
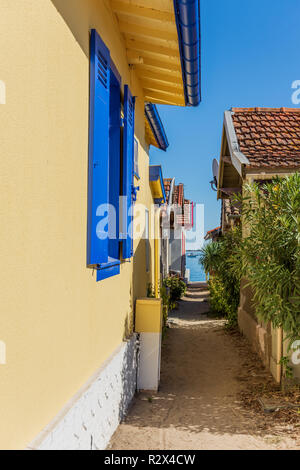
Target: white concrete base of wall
[(149, 361), (89, 420)]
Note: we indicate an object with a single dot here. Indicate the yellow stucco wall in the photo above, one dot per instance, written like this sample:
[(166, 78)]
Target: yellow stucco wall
[(58, 324)]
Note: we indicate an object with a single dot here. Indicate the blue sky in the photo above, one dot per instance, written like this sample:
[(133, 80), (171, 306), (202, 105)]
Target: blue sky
[(250, 57)]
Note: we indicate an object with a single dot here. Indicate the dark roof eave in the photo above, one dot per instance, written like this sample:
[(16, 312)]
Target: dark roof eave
[(156, 126)]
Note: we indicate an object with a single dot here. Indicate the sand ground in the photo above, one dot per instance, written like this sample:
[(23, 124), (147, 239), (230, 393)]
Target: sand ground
[(199, 406)]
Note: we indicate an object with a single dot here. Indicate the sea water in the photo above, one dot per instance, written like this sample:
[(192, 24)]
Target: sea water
[(197, 273)]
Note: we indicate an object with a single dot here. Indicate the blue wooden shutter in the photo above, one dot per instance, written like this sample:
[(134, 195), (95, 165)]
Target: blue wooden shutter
[(112, 268), (97, 250), (114, 162), (128, 158)]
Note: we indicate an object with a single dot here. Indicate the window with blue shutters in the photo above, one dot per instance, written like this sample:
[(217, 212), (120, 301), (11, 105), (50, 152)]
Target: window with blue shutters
[(112, 267), (111, 165), (97, 252)]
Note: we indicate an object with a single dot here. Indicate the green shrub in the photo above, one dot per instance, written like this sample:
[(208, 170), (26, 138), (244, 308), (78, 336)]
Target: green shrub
[(171, 290), (268, 256), (150, 291), (271, 251), (167, 307), (176, 286), (222, 259), (221, 302)]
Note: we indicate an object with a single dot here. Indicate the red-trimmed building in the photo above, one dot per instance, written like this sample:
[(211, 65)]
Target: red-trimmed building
[(178, 219)]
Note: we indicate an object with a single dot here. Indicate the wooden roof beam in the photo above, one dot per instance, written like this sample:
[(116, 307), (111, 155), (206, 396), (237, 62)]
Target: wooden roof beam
[(135, 57), (168, 88), (152, 47), (161, 77), (164, 98), (141, 30), (158, 101), (141, 12)]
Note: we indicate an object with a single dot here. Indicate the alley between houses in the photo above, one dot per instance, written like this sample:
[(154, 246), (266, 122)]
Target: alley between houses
[(206, 381)]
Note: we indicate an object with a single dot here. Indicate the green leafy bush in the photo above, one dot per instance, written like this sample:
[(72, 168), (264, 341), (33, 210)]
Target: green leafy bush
[(221, 301), (222, 259), (150, 291), (267, 256), (271, 251), (167, 307), (176, 286), (171, 290)]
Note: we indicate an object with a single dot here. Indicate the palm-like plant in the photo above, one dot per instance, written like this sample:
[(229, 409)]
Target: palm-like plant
[(210, 256)]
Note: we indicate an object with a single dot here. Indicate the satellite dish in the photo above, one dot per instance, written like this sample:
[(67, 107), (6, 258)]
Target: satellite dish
[(215, 169)]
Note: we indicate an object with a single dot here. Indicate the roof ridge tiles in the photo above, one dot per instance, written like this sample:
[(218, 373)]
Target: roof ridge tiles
[(266, 110), (268, 137)]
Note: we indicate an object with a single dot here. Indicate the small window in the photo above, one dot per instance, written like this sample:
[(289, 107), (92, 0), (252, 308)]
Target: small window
[(136, 159)]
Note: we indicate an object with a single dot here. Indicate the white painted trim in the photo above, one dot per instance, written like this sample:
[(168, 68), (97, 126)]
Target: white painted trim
[(89, 419), (237, 157)]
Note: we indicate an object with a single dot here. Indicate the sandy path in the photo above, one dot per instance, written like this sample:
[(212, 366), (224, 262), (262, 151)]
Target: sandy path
[(198, 405)]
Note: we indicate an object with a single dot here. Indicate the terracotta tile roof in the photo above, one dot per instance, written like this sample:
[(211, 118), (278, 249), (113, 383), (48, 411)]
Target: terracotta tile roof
[(212, 233), (178, 195), (167, 185), (178, 192), (269, 137), (214, 230)]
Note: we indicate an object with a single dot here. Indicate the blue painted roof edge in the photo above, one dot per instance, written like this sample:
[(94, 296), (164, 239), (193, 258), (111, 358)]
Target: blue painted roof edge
[(187, 14), (156, 126), (155, 167)]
